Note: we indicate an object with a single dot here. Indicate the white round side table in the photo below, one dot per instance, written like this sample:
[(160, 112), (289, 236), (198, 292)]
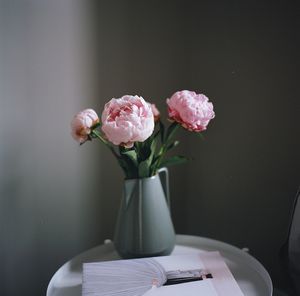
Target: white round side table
[(250, 275)]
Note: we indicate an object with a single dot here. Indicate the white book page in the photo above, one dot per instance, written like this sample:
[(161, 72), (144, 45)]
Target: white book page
[(183, 262), (223, 280), (137, 277), (198, 288)]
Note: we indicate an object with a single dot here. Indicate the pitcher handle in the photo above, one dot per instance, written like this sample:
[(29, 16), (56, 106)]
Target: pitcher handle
[(163, 172)]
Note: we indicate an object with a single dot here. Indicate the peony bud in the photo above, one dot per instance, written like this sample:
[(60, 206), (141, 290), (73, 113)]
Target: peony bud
[(82, 123), (155, 112)]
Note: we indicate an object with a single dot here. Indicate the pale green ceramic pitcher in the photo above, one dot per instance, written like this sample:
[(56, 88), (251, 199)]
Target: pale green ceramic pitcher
[(144, 226)]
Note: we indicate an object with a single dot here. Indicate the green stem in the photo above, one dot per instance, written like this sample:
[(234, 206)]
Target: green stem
[(96, 133), (164, 146), (110, 147), (172, 133), (137, 148)]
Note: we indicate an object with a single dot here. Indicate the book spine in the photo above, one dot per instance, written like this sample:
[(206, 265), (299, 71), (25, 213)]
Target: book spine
[(176, 281)]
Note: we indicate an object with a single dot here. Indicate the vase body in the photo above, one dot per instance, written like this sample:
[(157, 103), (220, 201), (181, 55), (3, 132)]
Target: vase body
[(144, 227)]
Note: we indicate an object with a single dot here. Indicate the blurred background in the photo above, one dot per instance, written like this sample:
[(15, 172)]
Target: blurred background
[(59, 57)]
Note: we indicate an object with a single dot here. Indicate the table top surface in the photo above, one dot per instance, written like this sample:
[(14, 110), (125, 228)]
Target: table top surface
[(250, 275)]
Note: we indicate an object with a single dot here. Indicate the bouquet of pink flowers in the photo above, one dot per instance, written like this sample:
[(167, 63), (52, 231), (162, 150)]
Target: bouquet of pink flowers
[(132, 129)]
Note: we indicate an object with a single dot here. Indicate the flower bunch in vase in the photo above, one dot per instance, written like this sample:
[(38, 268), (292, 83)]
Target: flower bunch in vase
[(136, 135)]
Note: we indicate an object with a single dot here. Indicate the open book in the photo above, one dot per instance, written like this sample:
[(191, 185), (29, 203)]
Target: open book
[(204, 273)]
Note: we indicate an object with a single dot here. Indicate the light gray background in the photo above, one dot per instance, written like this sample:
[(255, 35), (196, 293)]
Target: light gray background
[(58, 57)]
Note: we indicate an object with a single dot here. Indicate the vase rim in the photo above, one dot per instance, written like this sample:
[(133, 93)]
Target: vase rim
[(151, 177)]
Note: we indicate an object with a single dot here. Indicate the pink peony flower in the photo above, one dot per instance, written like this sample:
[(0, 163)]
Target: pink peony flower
[(155, 112), (127, 120), (191, 110), (82, 123)]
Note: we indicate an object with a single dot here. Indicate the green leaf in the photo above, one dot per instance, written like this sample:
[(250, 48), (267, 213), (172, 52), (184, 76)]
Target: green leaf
[(151, 157), (154, 135), (174, 160), (127, 168), (123, 164), (144, 169), (143, 150), (172, 145), (162, 131), (137, 146), (171, 131), (131, 154)]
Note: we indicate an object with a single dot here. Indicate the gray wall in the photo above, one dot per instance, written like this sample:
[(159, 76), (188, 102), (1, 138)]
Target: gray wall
[(48, 205), (58, 57)]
